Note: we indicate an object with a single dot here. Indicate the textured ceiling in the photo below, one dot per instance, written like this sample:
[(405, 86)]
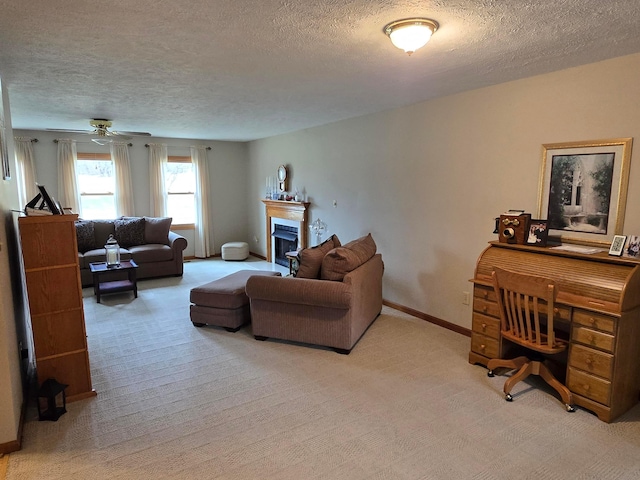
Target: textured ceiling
[(241, 70)]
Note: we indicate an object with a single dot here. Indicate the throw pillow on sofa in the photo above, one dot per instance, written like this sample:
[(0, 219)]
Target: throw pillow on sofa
[(129, 231), (84, 234), (342, 260), (310, 259), (156, 229)]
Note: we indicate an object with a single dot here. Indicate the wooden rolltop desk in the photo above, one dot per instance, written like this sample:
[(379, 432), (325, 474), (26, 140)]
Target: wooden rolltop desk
[(598, 305)]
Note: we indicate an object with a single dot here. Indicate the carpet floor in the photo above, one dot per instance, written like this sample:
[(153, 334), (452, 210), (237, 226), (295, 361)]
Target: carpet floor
[(179, 402)]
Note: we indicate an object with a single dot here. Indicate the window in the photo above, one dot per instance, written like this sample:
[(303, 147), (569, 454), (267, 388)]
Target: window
[(180, 185), (96, 185)]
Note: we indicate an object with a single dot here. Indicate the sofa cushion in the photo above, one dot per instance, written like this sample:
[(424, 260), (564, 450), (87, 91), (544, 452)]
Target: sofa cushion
[(85, 235), (129, 231), (151, 253), (98, 255), (156, 229), (310, 259), (101, 230), (342, 260)]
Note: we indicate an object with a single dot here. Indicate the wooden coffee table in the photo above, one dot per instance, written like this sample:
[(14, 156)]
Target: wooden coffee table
[(100, 271)]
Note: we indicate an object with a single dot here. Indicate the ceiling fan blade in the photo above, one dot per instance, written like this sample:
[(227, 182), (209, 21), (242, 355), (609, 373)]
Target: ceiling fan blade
[(135, 134), (64, 130), (118, 137)]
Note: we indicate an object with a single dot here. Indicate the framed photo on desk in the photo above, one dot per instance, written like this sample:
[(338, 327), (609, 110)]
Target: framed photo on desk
[(538, 233), (633, 247)]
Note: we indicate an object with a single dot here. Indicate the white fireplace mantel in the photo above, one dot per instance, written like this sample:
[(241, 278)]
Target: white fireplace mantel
[(294, 211)]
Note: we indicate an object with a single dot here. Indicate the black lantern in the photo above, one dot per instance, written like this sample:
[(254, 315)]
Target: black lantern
[(52, 401)]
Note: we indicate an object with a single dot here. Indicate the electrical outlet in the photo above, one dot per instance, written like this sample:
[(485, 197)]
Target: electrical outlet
[(466, 298)]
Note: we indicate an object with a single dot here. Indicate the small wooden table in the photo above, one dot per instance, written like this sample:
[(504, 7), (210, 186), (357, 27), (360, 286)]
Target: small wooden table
[(293, 259), (100, 270)]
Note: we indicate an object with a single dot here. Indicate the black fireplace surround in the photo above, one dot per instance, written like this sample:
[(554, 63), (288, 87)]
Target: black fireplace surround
[(286, 240)]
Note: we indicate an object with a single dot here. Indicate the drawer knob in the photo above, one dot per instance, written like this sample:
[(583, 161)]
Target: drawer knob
[(588, 361), (484, 309), (556, 310), (592, 320), (485, 295), (484, 327), (586, 387), (482, 347)]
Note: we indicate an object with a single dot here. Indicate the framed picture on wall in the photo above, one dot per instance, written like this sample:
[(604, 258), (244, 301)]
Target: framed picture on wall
[(583, 189), (538, 233)]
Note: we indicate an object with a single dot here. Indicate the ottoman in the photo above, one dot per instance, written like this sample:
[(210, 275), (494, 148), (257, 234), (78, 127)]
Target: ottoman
[(223, 302), (235, 251)]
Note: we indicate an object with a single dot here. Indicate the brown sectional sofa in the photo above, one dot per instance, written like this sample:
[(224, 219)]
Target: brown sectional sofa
[(329, 312), (157, 251)]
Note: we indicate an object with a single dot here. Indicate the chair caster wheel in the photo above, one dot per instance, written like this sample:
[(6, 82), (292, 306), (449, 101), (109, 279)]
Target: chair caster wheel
[(490, 374), (570, 408), (508, 397)]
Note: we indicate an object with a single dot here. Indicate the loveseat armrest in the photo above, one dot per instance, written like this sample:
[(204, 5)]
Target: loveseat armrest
[(177, 242), (366, 284), (302, 291)]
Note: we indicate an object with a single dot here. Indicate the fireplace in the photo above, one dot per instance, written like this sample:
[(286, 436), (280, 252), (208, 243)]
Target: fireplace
[(285, 239), (289, 214)]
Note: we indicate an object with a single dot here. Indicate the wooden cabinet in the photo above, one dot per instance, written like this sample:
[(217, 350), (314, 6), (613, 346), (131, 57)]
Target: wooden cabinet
[(598, 311), (50, 256)]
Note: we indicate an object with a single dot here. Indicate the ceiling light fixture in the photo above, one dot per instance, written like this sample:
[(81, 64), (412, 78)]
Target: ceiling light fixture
[(410, 34)]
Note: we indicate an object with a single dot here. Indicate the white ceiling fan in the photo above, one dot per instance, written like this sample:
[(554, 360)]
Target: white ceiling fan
[(101, 128)]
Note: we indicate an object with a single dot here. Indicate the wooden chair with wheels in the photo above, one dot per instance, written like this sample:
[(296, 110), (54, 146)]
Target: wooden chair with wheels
[(525, 302)]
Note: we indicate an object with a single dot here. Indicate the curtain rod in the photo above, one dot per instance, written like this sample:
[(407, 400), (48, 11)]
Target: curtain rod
[(56, 141), (176, 146)]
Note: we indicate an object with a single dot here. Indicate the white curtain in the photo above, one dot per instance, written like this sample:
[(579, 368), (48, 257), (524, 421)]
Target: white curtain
[(203, 244), (124, 185), (26, 173), (157, 160), (67, 187)]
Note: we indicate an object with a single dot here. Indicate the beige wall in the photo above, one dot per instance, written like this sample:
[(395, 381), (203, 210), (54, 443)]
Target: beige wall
[(428, 180)]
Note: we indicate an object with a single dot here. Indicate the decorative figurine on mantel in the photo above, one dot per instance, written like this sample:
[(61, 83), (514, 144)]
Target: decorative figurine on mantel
[(318, 227)]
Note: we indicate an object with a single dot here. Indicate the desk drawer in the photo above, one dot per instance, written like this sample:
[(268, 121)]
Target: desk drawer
[(488, 326), (594, 320), (592, 361), (485, 306), (485, 293), (588, 386), (562, 312), (595, 339), (483, 345)]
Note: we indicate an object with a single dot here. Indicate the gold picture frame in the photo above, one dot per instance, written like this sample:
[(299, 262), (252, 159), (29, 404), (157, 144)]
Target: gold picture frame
[(582, 190)]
